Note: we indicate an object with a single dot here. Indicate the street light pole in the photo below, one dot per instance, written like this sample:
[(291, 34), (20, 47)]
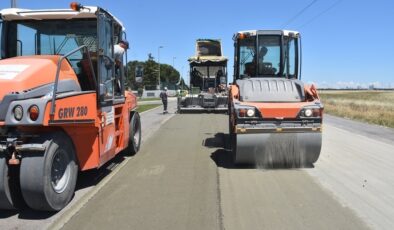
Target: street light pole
[(183, 79), (158, 60), (173, 65), (13, 3)]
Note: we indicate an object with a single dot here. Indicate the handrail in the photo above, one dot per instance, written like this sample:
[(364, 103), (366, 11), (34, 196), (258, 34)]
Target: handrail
[(59, 64)]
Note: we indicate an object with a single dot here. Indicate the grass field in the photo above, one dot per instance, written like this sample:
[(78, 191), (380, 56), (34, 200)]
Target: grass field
[(375, 107), (149, 99), (142, 108)]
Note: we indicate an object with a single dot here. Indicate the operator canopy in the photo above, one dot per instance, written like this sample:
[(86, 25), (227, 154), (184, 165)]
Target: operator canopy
[(12, 14), (208, 51)]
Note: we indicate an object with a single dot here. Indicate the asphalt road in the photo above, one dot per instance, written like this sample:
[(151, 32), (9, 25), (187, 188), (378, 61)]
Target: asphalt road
[(183, 179)]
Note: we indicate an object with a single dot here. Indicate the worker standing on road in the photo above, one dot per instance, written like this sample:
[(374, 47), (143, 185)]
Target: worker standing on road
[(164, 99)]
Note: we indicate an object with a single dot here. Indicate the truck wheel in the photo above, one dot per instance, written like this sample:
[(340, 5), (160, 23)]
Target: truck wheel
[(48, 179), (5, 193), (134, 134)]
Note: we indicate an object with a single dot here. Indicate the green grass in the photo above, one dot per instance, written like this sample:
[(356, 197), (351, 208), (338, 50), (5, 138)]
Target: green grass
[(149, 99), (142, 108), (375, 107)]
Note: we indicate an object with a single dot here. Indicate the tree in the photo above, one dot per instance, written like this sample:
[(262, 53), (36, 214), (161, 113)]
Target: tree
[(182, 85), (168, 75), (150, 73), (130, 80)]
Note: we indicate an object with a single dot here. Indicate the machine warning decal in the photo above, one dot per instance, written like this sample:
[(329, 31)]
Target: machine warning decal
[(9, 72), (109, 115), (71, 112), (109, 143)]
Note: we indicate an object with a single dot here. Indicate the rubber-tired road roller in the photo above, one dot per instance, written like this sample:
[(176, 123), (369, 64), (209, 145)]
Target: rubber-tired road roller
[(274, 118), (63, 103)]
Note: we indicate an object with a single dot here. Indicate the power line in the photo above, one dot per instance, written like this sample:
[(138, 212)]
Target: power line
[(298, 14), (321, 13)]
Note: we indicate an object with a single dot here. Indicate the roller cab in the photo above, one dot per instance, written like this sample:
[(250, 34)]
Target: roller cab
[(274, 118)]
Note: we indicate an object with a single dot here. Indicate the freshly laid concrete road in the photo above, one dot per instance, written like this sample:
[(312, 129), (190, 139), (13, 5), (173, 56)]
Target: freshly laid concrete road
[(183, 179), (88, 182)]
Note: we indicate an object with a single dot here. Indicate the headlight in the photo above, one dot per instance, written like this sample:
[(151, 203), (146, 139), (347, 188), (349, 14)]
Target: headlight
[(250, 112), (311, 112), (308, 112), (18, 112), (247, 112)]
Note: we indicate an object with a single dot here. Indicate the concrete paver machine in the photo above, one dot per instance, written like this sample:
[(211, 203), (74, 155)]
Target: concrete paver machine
[(208, 79), (63, 106), (274, 118)]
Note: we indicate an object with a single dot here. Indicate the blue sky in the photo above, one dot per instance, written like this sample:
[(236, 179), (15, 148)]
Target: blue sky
[(345, 42)]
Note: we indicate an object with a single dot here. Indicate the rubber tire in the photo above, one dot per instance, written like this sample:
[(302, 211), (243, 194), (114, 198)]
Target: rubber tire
[(35, 174), (5, 192), (134, 146)]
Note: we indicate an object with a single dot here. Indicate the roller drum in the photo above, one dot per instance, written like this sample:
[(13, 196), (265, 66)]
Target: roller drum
[(284, 149)]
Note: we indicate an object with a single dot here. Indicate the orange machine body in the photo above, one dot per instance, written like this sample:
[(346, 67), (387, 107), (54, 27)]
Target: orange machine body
[(64, 106), (28, 72), (279, 110), (98, 134)]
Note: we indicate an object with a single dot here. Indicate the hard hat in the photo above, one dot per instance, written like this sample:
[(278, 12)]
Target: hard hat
[(165, 88)]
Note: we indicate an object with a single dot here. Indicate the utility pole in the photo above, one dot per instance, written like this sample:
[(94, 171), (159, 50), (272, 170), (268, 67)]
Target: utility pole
[(173, 65), (13, 3), (183, 79), (158, 61)]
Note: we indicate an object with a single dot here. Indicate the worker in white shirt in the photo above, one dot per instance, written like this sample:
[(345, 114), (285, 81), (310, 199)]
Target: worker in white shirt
[(119, 50)]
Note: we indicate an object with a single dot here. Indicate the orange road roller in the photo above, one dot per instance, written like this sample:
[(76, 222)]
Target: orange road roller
[(274, 118), (63, 103)]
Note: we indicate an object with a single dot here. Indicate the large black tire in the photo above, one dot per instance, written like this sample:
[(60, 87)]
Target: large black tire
[(5, 192), (134, 134), (10, 192), (48, 179)]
